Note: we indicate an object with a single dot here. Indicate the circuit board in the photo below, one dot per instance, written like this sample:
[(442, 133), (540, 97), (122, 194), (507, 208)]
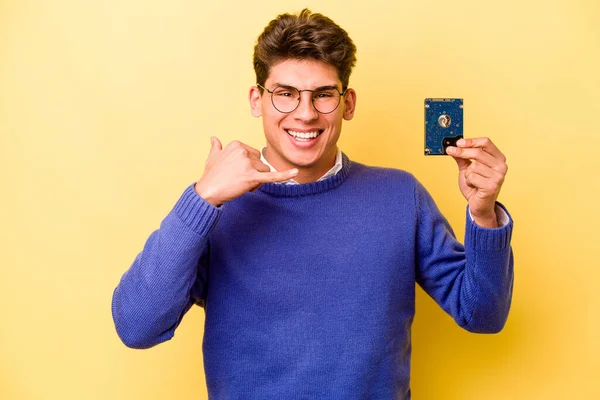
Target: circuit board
[(443, 124)]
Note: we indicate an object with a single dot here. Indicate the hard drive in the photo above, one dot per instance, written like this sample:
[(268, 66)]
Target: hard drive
[(443, 124)]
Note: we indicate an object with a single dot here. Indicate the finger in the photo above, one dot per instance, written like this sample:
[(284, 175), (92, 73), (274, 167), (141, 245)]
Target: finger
[(479, 168), (462, 164), (494, 177), (260, 166), (252, 152), (236, 145), (276, 176), (477, 154), (484, 143), (482, 183)]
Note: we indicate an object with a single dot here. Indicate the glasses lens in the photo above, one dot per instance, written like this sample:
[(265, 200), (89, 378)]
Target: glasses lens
[(326, 101), (286, 99)]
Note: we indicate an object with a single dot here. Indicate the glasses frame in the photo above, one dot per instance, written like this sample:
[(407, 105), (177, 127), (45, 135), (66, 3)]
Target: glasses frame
[(312, 99)]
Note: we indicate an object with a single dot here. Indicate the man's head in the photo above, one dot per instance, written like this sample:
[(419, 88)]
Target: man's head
[(305, 36), (308, 56)]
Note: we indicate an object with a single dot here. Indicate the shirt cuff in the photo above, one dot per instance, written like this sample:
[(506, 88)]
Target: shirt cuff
[(501, 216)]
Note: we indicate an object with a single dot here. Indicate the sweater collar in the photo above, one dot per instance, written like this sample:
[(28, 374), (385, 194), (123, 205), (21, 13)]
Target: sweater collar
[(277, 189)]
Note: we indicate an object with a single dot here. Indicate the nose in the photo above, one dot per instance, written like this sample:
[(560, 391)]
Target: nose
[(305, 110)]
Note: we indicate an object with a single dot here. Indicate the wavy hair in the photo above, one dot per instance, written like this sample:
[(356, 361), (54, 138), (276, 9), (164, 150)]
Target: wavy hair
[(304, 36)]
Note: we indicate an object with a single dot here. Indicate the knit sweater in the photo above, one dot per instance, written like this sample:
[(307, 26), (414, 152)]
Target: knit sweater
[(309, 290)]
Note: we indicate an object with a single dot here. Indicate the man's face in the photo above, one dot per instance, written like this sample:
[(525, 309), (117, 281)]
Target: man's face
[(312, 156)]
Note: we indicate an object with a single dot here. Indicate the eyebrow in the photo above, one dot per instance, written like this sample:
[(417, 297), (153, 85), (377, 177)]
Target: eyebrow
[(326, 87)]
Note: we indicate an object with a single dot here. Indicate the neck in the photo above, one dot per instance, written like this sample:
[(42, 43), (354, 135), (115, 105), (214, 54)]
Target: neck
[(310, 188), (306, 174)]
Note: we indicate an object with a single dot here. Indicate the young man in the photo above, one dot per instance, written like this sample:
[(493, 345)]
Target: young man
[(304, 261)]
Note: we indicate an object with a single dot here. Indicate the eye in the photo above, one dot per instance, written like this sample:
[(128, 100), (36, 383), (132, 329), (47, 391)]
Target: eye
[(285, 93), (324, 94)]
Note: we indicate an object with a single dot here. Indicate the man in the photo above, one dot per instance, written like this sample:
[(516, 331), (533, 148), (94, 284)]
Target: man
[(304, 261)]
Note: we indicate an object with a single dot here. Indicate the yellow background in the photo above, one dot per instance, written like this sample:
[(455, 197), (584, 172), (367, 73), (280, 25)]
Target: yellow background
[(106, 108)]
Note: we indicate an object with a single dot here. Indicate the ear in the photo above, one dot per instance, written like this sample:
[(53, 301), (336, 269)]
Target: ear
[(255, 101), (349, 104)]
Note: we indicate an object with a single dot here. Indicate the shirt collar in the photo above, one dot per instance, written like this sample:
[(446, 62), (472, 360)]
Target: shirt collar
[(334, 170)]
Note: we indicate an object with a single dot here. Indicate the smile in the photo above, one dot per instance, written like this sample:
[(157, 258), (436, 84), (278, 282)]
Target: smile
[(304, 136)]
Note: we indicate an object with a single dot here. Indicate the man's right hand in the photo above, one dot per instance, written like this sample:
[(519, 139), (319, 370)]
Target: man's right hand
[(234, 170)]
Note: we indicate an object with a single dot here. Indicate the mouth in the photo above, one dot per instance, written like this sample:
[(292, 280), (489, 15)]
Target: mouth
[(304, 136)]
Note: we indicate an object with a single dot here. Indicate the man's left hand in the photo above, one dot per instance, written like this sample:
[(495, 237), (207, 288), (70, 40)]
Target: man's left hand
[(481, 171)]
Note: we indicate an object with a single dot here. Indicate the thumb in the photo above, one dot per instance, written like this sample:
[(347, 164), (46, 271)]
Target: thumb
[(215, 147), (215, 144)]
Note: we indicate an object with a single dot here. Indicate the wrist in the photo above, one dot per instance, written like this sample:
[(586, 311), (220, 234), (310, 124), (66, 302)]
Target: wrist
[(486, 221), (207, 194)]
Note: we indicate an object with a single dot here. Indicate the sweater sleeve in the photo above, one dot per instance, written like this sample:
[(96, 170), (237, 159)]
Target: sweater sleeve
[(473, 283), (168, 276)]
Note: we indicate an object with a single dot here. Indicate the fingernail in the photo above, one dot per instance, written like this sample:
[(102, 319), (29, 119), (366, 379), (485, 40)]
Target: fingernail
[(450, 150), (461, 142), (293, 171)]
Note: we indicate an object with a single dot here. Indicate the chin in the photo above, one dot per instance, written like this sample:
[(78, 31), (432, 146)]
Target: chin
[(304, 160)]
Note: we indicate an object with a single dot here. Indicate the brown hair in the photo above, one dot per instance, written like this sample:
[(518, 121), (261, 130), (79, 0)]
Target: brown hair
[(305, 36)]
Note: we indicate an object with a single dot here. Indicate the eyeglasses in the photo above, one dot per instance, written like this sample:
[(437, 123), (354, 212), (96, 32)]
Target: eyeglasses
[(286, 99)]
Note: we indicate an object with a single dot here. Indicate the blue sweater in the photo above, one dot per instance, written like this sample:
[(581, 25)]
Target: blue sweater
[(309, 290)]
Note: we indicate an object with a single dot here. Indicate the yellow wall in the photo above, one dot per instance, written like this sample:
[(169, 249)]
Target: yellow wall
[(106, 108)]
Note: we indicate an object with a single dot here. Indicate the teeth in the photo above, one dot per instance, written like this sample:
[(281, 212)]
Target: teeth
[(304, 135)]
